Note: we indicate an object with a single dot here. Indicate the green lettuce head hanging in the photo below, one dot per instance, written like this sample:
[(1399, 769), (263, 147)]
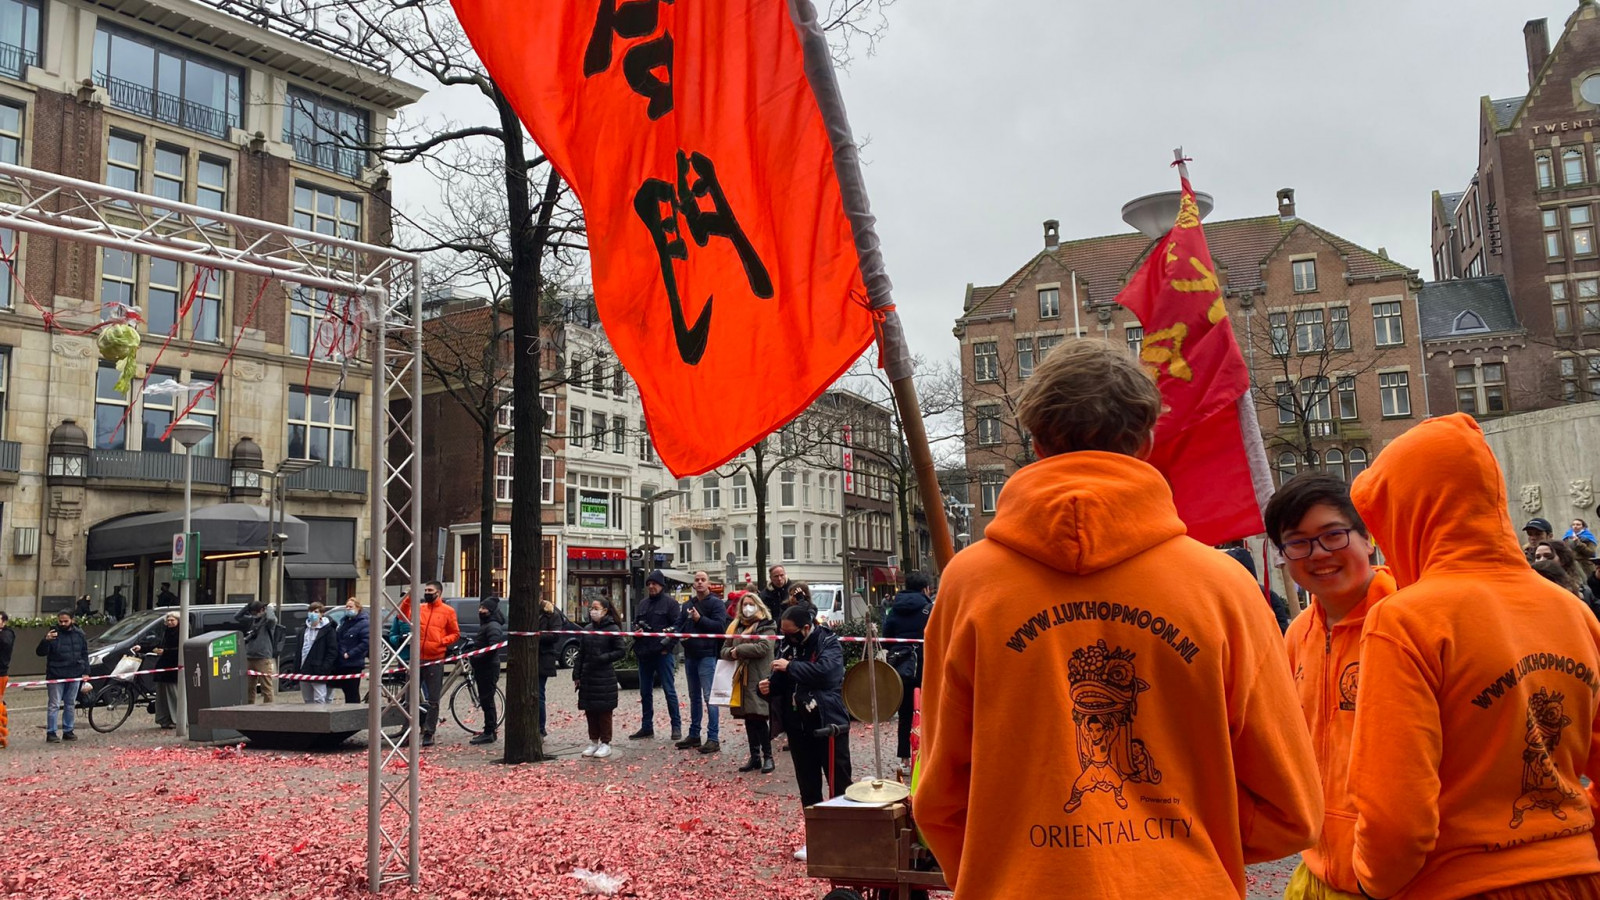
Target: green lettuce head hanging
[(119, 343)]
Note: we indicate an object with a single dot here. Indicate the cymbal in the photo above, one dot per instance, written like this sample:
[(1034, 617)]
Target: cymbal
[(876, 790)]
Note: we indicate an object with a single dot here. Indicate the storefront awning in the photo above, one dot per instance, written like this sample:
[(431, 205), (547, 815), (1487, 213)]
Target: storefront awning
[(678, 575), (223, 528), (330, 550), (885, 574)]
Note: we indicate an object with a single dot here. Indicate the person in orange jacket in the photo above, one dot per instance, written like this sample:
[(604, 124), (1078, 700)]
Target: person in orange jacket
[(1329, 553), (437, 630), (1479, 684), (1107, 710)]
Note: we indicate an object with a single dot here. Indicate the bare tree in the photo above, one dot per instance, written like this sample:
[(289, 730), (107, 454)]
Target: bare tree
[(803, 443)]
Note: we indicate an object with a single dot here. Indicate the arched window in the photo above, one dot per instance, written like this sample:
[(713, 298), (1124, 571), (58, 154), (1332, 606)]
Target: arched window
[(1358, 462), (1468, 322), (1286, 466), (1313, 461), (1571, 167), (1334, 463), (1545, 169)]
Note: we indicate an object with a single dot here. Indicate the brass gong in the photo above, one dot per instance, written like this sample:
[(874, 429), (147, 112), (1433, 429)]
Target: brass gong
[(858, 693)]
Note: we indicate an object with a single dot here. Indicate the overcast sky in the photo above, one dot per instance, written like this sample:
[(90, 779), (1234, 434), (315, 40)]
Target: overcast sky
[(984, 119)]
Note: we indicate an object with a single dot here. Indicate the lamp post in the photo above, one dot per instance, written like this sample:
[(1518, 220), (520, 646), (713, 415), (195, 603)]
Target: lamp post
[(276, 515), (188, 432), (648, 505)]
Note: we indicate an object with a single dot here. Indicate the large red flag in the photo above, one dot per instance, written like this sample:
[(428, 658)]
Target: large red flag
[(731, 249), (1189, 347)]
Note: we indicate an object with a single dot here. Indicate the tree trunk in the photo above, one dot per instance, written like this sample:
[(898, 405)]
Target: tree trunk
[(490, 443), (527, 240)]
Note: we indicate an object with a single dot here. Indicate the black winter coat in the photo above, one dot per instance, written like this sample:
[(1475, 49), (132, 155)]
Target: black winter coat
[(596, 671), (658, 613), (323, 657), (907, 618), (8, 641), (809, 693), (713, 620), (550, 622), (168, 658), (67, 656), (489, 633), (354, 634)]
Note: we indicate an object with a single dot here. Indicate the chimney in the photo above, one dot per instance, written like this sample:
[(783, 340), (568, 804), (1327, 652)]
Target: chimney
[(1286, 204), (1537, 36), (1052, 234)]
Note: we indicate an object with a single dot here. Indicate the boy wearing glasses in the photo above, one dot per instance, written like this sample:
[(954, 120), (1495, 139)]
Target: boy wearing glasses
[(1315, 526)]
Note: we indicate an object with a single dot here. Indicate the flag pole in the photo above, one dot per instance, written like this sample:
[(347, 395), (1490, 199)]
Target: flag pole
[(894, 355)]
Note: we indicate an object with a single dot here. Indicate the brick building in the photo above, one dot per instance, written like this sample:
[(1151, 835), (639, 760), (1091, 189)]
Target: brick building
[(183, 101), (1527, 217), (1328, 329)]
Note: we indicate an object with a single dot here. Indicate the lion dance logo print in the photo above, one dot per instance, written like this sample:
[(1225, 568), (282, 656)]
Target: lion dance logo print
[(1542, 787), (1105, 698)]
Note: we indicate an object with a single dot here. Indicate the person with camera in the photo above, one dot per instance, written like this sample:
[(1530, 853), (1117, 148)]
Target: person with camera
[(807, 684), (750, 645), (259, 624), (659, 612), (704, 618), (907, 617), (66, 653), (551, 623), (486, 666)]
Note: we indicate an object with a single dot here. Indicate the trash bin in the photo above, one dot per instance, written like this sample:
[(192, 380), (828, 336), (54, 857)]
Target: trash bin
[(215, 672)]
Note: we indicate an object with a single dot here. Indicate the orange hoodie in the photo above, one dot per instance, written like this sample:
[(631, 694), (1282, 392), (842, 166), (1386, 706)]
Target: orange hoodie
[(1326, 665), (1107, 705), (1478, 686)]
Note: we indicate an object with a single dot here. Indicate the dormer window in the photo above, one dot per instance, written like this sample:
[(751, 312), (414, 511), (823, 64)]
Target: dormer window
[(1468, 322)]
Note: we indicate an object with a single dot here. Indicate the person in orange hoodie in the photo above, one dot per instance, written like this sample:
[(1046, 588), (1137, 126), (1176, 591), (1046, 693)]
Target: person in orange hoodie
[(1329, 553), (437, 631), (1107, 710), (1478, 691)]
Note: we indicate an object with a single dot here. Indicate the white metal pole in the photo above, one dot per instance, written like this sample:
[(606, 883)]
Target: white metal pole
[(185, 586), (1076, 333)]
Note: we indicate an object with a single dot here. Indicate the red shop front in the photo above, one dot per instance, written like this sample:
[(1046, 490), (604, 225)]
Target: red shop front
[(597, 573)]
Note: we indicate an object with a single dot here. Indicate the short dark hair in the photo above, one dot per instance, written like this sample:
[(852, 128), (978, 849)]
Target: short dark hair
[(1292, 501), (1552, 570), (433, 584), (799, 615), (917, 581), (4, 617)]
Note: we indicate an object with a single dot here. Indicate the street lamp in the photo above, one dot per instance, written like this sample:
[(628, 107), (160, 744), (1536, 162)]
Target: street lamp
[(649, 516), (187, 432), (276, 514)]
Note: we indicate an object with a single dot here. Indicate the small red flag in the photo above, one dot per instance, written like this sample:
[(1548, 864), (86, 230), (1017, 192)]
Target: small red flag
[(1190, 348), (728, 230)]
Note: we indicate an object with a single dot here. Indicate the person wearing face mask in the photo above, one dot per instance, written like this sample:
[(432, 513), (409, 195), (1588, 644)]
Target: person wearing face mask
[(807, 684), (752, 649), (437, 631), (354, 633), (550, 621), (595, 675), (486, 666), (319, 654)]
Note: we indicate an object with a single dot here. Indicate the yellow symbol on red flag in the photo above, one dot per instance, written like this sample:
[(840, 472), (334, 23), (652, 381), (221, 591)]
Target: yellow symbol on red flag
[(1165, 348)]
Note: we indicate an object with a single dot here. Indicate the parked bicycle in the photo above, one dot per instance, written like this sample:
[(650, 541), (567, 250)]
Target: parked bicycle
[(465, 705), (113, 700)]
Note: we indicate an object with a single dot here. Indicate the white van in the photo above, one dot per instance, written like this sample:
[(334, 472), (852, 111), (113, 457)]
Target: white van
[(829, 599)]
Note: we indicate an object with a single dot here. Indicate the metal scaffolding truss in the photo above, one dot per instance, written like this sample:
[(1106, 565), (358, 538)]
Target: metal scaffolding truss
[(387, 284)]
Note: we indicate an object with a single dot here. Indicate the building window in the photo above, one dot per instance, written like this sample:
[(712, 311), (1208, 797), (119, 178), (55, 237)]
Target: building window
[(117, 282), (575, 372), (1309, 336), (598, 426), (988, 425), (598, 378), (1278, 328), (1305, 275), (1347, 397), (1552, 233), (1560, 310), (19, 37), (786, 489), (1339, 324), (788, 543), (1135, 336), (647, 447), (1333, 463), (1388, 329), (322, 427), (10, 123), (712, 545), (320, 323), (985, 362), (685, 545), (1050, 303), (110, 406), (1466, 390), (1581, 218), (619, 434), (1571, 167), (1545, 170), (161, 300), (1285, 402), (157, 81), (325, 133), (1046, 344), (575, 425), (809, 554), (1481, 390), (1395, 390), (124, 161), (989, 485), (1317, 399), (504, 476), (211, 184), (711, 492), (1286, 467), (205, 316), (158, 411), (1569, 379), (1358, 462), (1024, 357), (1589, 302), (740, 489), (547, 480), (595, 502), (741, 543), (325, 212), (169, 177), (805, 490)]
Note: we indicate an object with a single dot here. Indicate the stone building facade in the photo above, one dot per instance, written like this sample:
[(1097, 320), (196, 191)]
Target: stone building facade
[(186, 102), (1328, 329)]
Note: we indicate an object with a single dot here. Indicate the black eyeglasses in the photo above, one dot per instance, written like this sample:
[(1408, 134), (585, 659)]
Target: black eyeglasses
[(1337, 539)]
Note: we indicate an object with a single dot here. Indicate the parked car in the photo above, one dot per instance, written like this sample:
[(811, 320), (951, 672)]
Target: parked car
[(829, 598), (143, 628)]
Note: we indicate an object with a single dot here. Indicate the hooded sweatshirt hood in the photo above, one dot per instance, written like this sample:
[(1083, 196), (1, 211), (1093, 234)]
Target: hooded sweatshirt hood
[(910, 602), (1460, 523), (1112, 510)]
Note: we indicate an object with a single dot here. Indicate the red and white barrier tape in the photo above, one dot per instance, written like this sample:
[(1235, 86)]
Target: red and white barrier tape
[(127, 676), (685, 635), (294, 676)]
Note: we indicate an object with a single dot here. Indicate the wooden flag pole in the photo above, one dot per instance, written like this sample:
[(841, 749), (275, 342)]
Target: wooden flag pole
[(905, 401)]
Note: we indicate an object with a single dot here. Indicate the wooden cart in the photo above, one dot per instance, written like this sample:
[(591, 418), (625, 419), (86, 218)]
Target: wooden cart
[(869, 852)]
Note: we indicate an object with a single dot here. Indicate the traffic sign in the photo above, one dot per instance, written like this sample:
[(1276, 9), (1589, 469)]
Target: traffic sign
[(185, 556)]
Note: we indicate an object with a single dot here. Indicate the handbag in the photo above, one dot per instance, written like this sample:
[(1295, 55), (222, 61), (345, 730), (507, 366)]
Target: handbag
[(722, 683), (906, 661)]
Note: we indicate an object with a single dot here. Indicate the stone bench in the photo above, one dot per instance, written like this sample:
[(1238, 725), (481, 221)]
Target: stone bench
[(295, 727)]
